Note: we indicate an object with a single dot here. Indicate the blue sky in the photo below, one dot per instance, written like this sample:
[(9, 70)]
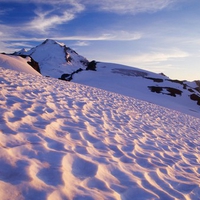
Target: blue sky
[(156, 35)]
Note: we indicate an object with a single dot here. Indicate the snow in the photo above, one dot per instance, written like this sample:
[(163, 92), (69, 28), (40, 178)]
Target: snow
[(63, 140), (17, 63), (131, 82), (55, 59)]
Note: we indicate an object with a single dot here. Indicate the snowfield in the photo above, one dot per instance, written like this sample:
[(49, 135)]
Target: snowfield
[(59, 61), (17, 63), (63, 140)]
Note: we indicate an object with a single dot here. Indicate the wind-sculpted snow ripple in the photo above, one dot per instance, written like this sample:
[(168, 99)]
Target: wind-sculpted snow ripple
[(63, 140)]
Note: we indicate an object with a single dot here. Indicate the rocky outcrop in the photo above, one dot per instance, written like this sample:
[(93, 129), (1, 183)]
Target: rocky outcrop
[(66, 77), (129, 72), (194, 97), (72, 56), (69, 77), (157, 80), (198, 86), (34, 65), (92, 65), (170, 91)]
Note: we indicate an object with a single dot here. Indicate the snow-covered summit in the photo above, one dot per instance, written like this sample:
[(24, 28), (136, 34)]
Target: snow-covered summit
[(21, 52), (55, 58)]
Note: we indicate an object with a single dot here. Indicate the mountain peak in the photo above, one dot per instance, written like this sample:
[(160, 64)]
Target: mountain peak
[(51, 41), (56, 59)]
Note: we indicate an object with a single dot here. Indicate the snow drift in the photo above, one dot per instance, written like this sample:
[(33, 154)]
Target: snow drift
[(17, 63), (62, 140)]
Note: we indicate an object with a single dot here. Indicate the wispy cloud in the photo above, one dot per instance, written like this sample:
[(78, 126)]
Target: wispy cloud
[(82, 39), (121, 35), (82, 43), (63, 11), (47, 19), (49, 14), (10, 47), (12, 35), (5, 11), (153, 58), (106, 36), (160, 56), (132, 6)]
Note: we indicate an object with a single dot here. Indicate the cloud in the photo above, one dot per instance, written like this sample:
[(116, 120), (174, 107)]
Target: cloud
[(63, 11), (10, 47), (82, 43), (117, 6), (5, 11), (7, 31), (153, 58), (157, 57), (11, 34), (82, 39), (132, 6), (47, 19), (125, 35), (107, 35), (49, 14)]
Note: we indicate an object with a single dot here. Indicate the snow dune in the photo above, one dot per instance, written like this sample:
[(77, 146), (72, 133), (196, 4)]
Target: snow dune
[(61, 140), (17, 63)]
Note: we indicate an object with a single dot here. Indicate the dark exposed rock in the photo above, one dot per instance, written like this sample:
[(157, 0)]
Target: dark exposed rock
[(198, 84), (129, 72), (162, 74), (179, 82), (68, 58), (91, 65), (195, 97), (176, 81), (69, 77), (158, 80), (84, 62), (172, 91), (23, 56), (66, 77), (34, 64), (190, 90), (155, 89), (70, 50), (77, 71)]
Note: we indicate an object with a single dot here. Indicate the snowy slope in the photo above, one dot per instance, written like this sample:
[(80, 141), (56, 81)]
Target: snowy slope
[(58, 61), (17, 63), (61, 140), (137, 83)]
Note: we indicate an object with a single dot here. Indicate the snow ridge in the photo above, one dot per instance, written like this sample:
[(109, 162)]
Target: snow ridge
[(79, 142)]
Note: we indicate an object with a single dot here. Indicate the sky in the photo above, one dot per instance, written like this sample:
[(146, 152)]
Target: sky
[(156, 35)]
